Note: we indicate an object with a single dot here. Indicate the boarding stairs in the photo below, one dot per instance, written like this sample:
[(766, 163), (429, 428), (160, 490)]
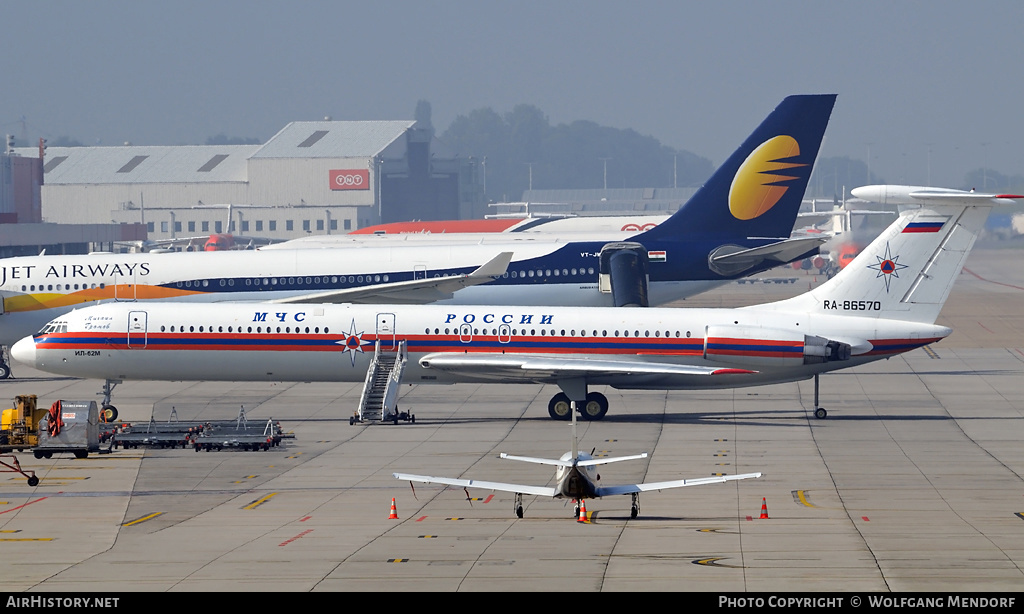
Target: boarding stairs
[(379, 401)]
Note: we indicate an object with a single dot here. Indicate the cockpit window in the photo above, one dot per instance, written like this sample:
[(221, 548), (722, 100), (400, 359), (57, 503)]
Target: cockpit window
[(53, 327)]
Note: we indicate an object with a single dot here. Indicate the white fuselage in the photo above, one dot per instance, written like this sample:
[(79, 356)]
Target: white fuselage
[(334, 343), (544, 271)]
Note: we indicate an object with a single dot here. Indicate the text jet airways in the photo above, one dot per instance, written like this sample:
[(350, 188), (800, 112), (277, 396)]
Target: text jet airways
[(738, 224), (883, 304)]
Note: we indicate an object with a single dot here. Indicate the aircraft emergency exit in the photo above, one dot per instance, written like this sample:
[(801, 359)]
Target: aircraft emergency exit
[(737, 224), (883, 304)]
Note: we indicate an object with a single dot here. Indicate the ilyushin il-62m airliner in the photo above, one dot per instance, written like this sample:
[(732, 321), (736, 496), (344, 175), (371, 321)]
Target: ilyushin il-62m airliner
[(737, 224), (882, 304)]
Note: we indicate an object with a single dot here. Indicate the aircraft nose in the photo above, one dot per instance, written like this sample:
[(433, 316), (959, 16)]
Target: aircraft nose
[(24, 351)]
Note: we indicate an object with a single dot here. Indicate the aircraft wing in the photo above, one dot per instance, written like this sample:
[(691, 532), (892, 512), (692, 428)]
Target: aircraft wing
[(414, 291), (532, 367), (243, 242), (544, 491), (625, 489)]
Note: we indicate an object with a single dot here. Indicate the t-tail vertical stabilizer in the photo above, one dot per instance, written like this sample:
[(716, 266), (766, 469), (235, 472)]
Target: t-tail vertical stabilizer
[(757, 192), (906, 273)]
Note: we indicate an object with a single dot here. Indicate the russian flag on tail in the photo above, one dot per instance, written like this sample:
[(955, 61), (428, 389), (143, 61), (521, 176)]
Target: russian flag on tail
[(925, 226)]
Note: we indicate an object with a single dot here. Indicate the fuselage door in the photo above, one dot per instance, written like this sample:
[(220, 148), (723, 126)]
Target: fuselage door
[(419, 271), (466, 333), (124, 287), (386, 331), (137, 329), (504, 333)]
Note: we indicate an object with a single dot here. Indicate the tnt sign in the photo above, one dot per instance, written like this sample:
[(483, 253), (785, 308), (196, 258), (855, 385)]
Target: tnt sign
[(350, 180)]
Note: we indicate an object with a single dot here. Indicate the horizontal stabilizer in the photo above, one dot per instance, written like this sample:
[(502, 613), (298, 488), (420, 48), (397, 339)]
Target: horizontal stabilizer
[(732, 260), (557, 462), (591, 462), (917, 195)]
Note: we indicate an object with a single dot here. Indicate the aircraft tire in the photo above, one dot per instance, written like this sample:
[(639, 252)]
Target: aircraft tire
[(108, 413), (519, 511), (595, 407), (5, 370), (560, 408), (820, 413), (33, 480)]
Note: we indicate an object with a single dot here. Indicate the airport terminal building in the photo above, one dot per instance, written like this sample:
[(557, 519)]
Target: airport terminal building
[(312, 177)]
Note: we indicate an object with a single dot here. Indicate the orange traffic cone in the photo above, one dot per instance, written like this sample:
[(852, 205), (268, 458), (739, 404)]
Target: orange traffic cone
[(394, 511), (583, 512), (764, 508)]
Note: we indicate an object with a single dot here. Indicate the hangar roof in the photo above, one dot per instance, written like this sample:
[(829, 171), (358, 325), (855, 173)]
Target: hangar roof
[(330, 139), (145, 164), (215, 163)]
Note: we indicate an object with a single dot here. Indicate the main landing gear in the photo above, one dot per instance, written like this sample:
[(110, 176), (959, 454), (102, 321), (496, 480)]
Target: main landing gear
[(519, 505), (593, 408)]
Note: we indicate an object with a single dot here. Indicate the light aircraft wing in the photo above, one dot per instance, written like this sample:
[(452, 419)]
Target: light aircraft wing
[(414, 291), (625, 489), (532, 367), (526, 489)]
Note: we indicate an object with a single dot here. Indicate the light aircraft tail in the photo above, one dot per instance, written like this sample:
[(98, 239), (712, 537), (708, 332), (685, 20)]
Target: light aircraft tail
[(758, 190), (906, 273)]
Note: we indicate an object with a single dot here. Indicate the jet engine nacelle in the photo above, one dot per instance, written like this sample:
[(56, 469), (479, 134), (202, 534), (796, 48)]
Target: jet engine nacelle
[(756, 347), (623, 273)]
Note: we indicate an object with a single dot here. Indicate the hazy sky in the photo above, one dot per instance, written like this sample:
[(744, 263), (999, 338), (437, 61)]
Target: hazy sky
[(943, 76)]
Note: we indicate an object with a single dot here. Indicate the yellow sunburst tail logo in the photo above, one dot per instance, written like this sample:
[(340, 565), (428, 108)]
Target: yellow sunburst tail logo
[(760, 182)]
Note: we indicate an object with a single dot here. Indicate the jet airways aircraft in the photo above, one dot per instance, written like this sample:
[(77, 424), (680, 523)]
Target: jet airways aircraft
[(737, 224), (884, 303), (575, 479)]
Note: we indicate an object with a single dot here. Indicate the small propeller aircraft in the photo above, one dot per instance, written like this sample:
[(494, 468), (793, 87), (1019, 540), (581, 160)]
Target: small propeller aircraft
[(575, 478)]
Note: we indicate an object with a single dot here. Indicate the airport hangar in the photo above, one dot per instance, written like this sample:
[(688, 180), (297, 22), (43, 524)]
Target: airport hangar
[(312, 177)]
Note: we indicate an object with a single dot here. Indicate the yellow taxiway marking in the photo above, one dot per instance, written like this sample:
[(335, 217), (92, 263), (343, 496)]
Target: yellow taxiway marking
[(428, 537), (931, 353), (26, 539), (801, 497), (398, 560), (259, 502), (1020, 515), (143, 519), (455, 518), (10, 530)]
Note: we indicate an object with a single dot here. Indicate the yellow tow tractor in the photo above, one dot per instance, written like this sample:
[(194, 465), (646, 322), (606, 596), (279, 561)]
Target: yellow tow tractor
[(19, 430)]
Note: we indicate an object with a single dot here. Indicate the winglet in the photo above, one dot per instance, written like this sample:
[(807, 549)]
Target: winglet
[(495, 267)]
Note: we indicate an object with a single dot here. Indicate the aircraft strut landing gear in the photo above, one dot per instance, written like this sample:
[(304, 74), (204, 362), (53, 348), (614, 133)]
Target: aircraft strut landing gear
[(634, 510), (519, 505), (819, 412), (108, 413)]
